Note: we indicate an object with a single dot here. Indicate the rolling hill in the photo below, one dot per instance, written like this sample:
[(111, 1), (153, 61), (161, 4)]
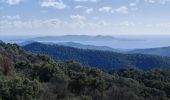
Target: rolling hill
[(163, 51), (76, 45), (92, 47), (100, 59)]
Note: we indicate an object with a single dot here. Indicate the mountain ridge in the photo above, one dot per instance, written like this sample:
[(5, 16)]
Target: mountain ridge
[(75, 38), (161, 51), (102, 59), (76, 45), (84, 46)]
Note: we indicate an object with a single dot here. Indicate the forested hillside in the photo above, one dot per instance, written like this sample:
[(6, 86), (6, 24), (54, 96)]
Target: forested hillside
[(83, 46), (163, 51), (100, 59), (26, 76)]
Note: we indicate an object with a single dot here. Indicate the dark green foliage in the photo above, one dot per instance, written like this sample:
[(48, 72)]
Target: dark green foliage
[(16, 88), (45, 71), (38, 77), (156, 82)]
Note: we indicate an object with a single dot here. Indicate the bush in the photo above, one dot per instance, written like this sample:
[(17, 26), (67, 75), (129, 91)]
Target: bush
[(16, 88)]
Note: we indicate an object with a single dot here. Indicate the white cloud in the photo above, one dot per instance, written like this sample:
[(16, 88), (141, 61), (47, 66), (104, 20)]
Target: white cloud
[(120, 10), (12, 2), (89, 10), (16, 17), (58, 4), (127, 23), (55, 26), (44, 26), (80, 7), (132, 4), (157, 1), (77, 17), (60, 27), (167, 25), (86, 0), (86, 9), (105, 9), (150, 1)]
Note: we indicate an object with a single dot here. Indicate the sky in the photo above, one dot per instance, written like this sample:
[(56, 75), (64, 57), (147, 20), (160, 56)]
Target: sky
[(84, 17)]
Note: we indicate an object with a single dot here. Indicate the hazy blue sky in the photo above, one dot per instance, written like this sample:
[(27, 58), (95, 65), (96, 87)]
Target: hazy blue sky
[(104, 17)]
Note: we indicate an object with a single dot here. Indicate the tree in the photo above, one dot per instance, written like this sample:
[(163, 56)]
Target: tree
[(16, 88), (6, 65)]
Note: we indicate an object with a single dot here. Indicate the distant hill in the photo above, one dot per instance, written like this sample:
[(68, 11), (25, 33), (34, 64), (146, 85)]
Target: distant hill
[(76, 45), (1, 41), (74, 38), (102, 59), (26, 42), (163, 51), (83, 46)]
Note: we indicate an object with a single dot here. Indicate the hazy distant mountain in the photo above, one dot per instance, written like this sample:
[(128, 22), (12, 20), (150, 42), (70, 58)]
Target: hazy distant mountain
[(26, 42), (1, 41), (163, 51), (74, 38), (83, 46), (75, 45), (101, 59)]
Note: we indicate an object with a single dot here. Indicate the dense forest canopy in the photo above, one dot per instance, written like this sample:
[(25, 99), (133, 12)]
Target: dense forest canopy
[(101, 59), (27, 76)]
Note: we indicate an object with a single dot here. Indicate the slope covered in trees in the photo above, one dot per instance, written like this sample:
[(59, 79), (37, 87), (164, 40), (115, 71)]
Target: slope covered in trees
[(163, 51), (84, 46), (100, 59), (26, 76)]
